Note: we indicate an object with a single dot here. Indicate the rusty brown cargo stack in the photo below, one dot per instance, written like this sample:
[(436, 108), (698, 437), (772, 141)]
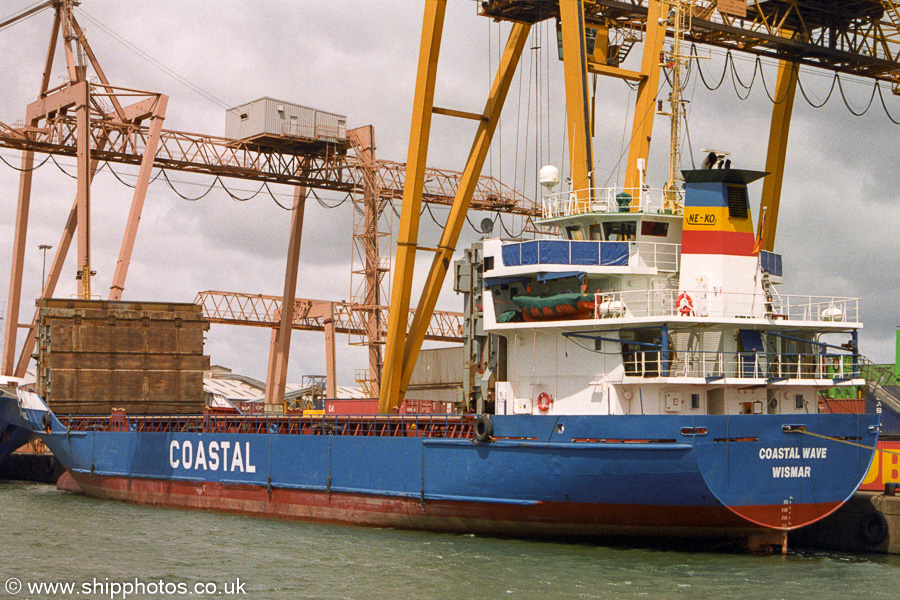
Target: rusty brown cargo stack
[(144, 357)]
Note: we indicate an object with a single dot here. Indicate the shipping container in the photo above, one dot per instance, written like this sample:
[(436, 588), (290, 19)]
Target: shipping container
[(437, 376), (271, 118), (369, 406), (144, 357)]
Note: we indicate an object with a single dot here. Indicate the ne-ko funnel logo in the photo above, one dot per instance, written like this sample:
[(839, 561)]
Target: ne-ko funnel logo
[(212, 456), (697, 218)]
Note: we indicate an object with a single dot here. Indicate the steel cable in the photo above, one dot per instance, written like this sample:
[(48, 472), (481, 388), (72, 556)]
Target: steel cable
[(847, 104), (146, 57), (884, 106), (433, 218), (700, 69), (757, 69), (58, 166), (806, 96), (508, 232), (122, 181), (182, 196), (20, 170), (238, 198), (736, 80), (324, 204), (772, 96)]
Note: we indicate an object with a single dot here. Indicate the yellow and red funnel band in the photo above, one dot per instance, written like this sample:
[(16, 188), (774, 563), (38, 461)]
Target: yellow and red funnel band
[(710, 230), (718, 242), (717, 212)]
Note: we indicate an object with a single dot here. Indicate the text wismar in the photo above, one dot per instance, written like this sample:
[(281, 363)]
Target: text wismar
[(791, 453)]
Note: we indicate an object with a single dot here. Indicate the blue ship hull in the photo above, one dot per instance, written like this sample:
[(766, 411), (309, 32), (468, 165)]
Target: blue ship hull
[(14, 433), (566, 475)]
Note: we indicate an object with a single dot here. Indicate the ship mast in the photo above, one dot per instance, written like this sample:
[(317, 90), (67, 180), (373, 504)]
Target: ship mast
[(679, 18)]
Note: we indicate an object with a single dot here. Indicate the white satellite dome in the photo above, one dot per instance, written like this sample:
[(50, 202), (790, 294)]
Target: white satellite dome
[(549, 176)]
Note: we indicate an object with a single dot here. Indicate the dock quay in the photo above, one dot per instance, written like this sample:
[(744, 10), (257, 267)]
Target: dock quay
[(868, 522)]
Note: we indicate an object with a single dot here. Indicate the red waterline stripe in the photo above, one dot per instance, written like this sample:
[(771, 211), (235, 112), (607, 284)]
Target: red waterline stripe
[(544, 518)]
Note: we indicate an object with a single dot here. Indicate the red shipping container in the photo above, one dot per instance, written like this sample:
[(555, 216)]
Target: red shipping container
[(343, 406)]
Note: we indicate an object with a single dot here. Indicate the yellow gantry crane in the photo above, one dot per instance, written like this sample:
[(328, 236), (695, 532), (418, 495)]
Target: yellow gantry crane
[(94, 121), (856, 37)]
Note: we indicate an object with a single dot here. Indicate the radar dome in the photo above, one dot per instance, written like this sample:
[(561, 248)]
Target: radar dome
[(549, 176)]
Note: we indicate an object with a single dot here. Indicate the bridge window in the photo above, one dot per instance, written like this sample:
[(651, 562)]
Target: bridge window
[(654, 228), (575, 232), (618, 231)]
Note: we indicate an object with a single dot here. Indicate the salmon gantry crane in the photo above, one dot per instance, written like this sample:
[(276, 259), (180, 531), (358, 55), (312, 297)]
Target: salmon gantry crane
[(855, 37), (89, 118)]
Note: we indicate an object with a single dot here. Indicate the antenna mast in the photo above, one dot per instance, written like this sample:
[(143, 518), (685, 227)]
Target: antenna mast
[(679, 19)]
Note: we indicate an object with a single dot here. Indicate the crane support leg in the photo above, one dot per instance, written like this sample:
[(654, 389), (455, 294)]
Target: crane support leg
[(518, 37), (56, 267), (137, 202), (325, 311), (408, 232), (644, 108), (10, 337), (18, 262), (62, 249), (785, 89), (82, 118), (270, 368), (578, 103), (281, 347)]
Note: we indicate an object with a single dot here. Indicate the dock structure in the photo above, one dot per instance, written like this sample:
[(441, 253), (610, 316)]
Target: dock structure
[(869, 522)]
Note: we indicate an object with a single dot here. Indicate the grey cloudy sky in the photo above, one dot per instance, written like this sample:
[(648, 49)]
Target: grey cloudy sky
[(358, 58)]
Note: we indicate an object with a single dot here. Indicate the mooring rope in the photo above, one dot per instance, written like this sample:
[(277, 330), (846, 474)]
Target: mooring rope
[(834, 439)]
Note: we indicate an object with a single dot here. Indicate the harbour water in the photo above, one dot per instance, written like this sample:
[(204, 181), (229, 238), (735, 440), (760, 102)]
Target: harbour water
[(114, 550)]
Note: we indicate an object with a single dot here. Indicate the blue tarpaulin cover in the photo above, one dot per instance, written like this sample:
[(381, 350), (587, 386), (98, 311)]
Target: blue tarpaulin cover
[(564, 252), (512, 255), (585, 253), (554, 252), (529, 253), (614, 254)]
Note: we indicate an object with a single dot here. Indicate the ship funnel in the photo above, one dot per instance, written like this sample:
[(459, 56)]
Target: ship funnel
[(549, 177), (717, 217)]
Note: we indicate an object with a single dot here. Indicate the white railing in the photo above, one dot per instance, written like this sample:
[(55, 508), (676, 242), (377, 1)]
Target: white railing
[(311, 131), (672, 303), (747, 365), (609, 200), (664, 257), (816, 308)]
